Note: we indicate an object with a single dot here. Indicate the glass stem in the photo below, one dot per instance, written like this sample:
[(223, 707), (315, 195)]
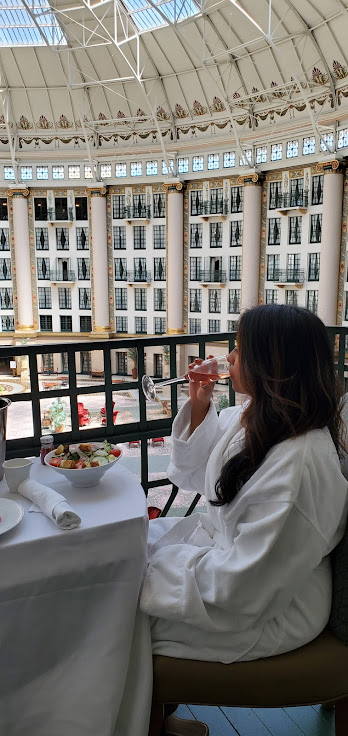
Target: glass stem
[(182, 379)]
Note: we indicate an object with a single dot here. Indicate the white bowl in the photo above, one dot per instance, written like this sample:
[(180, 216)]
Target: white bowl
[(85, 477)]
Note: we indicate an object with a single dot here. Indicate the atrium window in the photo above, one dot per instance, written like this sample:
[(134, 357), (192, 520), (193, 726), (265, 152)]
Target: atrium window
[(229, 159), (85, 298), (159, 300), (234, 296), (214, 325), (118, 206), (183, 165), (292, 149), (197, 163), (46, 322), (62, 238), (74, 172), (327, 138), (36, 26), (151, 168), (235, 268), (83, 270), (121, 298), (196, 235), (119, 237), (4, 238), (6, 298), (312, 301), (274, 230), (105, 171), (276, 152), (165, 169), (9, 173), (197, 202), (146, 17), (41, 238), (213, 161), (308, 145), (291, 297), (82, 242), (45, 299), (26, 173), (247, 158), (342, 140), (295, 230), (159, 205), (85, 323), (215, 234), (314, 267), (195, 300), (140, 325), (81, 208), (3, 208), (42, 172), (159, 325), (121, 170), (121, 324), (7, 323), (5, 269), (64, 298), (236, 232), (195, 327), (317, 189), (40, 208), (88, 172), (57, 172), (66, 323), (261, 154), (315, 228), (236, 199), (214, 297), (136, 168), (271, 296), (159, 237)]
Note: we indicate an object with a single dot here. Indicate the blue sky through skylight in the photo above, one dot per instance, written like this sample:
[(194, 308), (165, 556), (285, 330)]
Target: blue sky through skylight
[(146, 16), (19, 28)]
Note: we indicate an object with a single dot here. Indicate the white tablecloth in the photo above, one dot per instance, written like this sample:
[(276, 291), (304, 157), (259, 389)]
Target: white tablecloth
[(68, 602)]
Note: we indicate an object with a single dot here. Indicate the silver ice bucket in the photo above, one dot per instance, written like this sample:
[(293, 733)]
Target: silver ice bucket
[(4, 404)]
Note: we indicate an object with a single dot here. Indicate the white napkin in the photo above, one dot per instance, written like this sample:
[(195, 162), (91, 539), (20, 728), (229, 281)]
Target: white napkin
[(50, 503)]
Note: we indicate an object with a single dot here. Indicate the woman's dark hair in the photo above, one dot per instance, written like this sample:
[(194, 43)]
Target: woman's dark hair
[(287, 369)]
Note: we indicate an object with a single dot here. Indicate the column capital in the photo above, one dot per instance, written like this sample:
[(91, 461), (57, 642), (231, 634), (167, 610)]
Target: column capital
[(173, 186), (250, 179), (20, 192), (329, 167), (97, 191)]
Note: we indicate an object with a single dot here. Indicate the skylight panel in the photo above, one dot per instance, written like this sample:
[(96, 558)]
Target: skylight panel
[(147, 15), (18, 27)]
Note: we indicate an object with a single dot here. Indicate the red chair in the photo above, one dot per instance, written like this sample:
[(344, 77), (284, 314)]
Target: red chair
[(103, 414), (157, 441), (83, 414), (134, 443)]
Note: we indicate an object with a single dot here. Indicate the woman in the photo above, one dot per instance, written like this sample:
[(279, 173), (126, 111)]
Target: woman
[(251, 577)]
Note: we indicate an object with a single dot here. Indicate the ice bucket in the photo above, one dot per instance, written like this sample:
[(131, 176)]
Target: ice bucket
[(4, 404)]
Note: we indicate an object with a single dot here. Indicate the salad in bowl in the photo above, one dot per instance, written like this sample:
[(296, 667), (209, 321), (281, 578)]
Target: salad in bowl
[(84, 463)]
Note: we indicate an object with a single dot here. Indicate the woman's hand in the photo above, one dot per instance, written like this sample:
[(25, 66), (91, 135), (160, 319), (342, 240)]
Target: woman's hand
[(200, 396)]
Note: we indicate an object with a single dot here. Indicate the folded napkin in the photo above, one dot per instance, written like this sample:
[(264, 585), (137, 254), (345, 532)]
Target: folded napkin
[(50, 503)]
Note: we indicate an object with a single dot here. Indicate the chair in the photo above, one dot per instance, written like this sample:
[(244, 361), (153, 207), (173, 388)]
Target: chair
[(134, 443), (157, 441), (83, 414), (103, 414)]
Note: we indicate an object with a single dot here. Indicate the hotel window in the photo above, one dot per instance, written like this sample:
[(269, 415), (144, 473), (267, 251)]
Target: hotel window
[(62, 238), (140, 300), (140, 272), (292, 149), (121, 324), (7, 323), (312, 301), (293, 267), (273, 264), (215, 234), (81, 208), (42, 172), (236, 232), (214, 325), (315, 232), (159, 325), (235, 268), (195, 326), (197, 202), (6, 298), (216, 201), (195, 268), (159, 300), (64, 297), (57, 172), (46, 322), (5, 269), (314, 267), (196, 235), (234, 296), (291, 297), (88, 172), (40, 208), (229, 159), (308, 145), (159, 266), (121, 298), (41, 238), (232, 325), (195, 300), (168, 170), (3, 208), (329, 139), (85, 298), (159, 205), (139, 237), (140, 325), (295, 230), (82, 240), (61, 208), (236, 199), (105, 171), (4, 238), (214, 301), (85, 323), (119, 237), (159, 237), (43, 269), (140, 208), (66, 323), (342, 139), (74, 172), (274, 230), (136, 168), (151, 168), (276, 151), (9, 174), (121, 363), (83, 272), (213, 161), (261, 154), (296, 192), (317, 189), (118, 206), (271, 296), (183, 165), (120, 170), (275, 193), (26, 173), (247, 158), (45, 300), (120, 269), (197, 163)]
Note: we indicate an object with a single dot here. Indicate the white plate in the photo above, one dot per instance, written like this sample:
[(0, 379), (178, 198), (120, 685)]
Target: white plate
[(11, 514)]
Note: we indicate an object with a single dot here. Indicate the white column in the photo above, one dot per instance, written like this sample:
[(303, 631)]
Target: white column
[(252, 200), (330, 242), (175, 260), (24, 312), (100, 273)]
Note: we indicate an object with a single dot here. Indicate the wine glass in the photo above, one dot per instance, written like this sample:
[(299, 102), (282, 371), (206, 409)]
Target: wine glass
[(210, 369)]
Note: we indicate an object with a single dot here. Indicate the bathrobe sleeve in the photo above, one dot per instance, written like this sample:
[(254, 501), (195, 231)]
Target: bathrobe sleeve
[(274, 547)]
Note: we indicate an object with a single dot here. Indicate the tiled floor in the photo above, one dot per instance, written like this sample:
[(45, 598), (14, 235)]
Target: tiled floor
[(299, 721)]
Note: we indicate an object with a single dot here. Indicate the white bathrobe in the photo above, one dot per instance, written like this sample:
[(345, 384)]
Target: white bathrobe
[(245, 580)]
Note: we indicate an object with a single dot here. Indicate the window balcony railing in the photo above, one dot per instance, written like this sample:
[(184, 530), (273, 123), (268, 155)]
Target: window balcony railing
[(138, 212), (211, 208), (62, 276), (289, 275), (133, 277), (291, 201), (60, 215), (216, 277)]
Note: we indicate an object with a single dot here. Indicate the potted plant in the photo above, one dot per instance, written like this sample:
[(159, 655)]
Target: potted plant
[(58, 415), (133, 355)]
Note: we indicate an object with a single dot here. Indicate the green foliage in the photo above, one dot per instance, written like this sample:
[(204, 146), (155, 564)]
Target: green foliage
[(223, 402), (58, 414)]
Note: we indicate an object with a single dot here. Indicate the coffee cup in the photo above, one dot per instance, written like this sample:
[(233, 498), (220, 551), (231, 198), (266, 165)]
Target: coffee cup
[(16, 470)]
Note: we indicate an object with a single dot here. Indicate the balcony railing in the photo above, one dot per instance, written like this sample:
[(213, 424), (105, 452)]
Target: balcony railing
[(290, 275), (62, 276), (217, 277), (139, 212), (215, 207), (291, 201), (137, 276), (60, 215)]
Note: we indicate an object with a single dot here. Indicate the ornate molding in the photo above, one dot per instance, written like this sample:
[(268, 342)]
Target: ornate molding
[(178, 331), (21, 192), (250, 179), (329, 167), (96, 191), (174, 187), (96, 328)]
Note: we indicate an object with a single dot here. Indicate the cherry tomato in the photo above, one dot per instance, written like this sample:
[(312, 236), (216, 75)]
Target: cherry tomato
[(79, 464), (55, 461), (116, 452)]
